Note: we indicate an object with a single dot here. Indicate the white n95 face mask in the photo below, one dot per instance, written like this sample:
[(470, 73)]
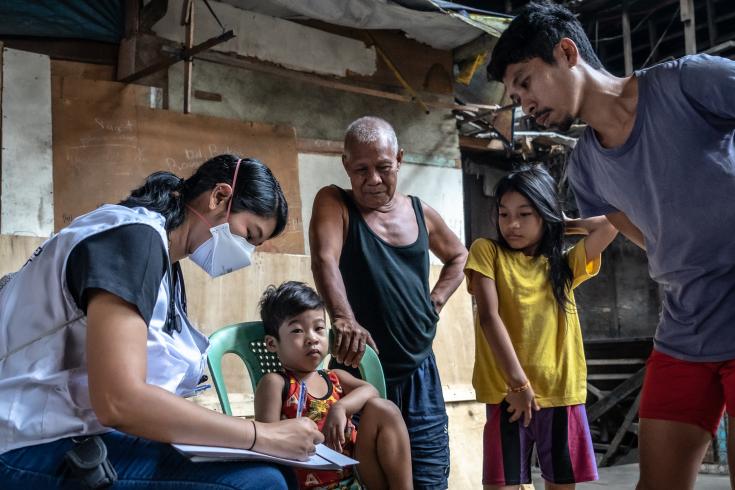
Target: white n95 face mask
[(223, 252)]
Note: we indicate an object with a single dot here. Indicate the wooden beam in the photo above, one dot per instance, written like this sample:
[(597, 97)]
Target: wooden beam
[(186, 53), (431, 100), (627, 422), (327, 147), (598, 393), (128, 46), (686, 8), (210, 96), (188, 21), (627, 46), (601, 407), (396, 72), (481, 144)]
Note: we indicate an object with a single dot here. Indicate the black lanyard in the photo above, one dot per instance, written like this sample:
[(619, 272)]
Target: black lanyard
[(173, 320)]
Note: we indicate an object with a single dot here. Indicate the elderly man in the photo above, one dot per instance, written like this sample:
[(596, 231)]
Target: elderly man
[(370, 258)]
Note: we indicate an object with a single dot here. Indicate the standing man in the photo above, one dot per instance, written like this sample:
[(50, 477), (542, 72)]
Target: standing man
[(370, 258), (658, 159)]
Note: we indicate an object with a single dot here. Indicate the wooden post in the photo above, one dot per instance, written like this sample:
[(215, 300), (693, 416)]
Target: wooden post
[(2, 50), (624, 427), (188, 19), (627, 47), (687, 18), (127, 51), (711, 26)]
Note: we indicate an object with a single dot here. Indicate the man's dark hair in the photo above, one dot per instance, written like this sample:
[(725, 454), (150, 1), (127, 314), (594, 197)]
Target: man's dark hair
[(291, 298), (534, 33)]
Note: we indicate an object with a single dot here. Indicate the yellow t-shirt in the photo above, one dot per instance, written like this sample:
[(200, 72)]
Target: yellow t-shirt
[(546, 339)]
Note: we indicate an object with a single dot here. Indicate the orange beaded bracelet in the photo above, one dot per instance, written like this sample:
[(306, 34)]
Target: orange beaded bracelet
[(519, 389)]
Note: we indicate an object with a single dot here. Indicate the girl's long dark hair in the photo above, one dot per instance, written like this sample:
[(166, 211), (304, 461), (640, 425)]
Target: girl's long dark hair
[(538, 186), (256, 190)]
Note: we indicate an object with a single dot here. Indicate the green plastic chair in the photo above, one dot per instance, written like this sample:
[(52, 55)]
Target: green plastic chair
[(247, 341)]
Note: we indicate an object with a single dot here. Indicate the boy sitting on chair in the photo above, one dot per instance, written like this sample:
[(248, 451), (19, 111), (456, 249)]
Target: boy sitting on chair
[(296, 330)]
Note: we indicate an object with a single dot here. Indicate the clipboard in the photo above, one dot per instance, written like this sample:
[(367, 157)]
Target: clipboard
[(324, 458)]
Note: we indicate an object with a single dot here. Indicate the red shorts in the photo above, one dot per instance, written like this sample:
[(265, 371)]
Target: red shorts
[(685, 391)]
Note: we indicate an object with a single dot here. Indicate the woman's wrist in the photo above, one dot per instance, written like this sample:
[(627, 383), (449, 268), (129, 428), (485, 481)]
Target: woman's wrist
[(255, 435)]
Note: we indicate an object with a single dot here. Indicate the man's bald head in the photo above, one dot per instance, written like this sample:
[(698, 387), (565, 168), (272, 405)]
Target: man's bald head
[(369, 130)]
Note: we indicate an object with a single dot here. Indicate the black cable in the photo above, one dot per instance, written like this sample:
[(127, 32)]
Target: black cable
[(206, 2)]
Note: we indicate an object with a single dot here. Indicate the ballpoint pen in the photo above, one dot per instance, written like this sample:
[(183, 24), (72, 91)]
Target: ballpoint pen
[(302, 399)]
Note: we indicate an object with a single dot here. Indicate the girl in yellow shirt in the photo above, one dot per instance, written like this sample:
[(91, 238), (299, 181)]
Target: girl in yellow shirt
[(529, 356)]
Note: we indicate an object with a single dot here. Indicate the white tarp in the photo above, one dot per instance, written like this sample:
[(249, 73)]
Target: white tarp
[(436, 29), (272, 39)]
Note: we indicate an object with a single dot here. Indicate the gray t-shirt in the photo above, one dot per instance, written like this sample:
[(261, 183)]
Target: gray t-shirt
[(675, 179)]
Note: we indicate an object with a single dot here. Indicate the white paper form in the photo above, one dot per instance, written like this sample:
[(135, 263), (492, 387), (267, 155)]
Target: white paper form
[(324, 459)]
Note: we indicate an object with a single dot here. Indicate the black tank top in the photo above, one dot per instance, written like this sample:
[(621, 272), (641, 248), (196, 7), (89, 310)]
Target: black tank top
[(388, 290)]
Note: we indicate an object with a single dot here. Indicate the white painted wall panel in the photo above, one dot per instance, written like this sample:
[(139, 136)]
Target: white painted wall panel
[(272, 39), (27, 163), (439, 187)]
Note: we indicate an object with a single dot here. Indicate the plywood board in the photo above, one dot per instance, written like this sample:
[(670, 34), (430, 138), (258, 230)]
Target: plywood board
[(75, 69), (26, 192), (105, 145)]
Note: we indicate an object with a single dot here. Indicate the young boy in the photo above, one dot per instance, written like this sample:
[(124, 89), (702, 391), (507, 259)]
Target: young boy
[(658, 159), (296, 330)]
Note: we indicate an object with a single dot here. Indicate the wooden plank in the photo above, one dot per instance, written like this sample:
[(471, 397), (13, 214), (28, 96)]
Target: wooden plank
[(613, 362), (188, 43), (639, 347), (627, 45), (598, 393), (363, 88), (481, 144), (328, 147), (686, 8), (210, 96), (624, 389), (608, 376), (627, 422), (75, 69)]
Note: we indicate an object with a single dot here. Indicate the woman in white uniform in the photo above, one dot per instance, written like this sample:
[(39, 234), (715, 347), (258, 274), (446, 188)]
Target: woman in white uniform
[(94, 339)]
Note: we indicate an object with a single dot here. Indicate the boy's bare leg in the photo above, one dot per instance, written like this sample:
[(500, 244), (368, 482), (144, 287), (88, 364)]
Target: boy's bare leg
[(506, 487), (731, 449), (671, 454), (558, 486), (383, 447)]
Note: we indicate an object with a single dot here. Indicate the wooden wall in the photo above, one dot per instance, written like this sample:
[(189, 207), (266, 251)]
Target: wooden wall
[(106, 140)]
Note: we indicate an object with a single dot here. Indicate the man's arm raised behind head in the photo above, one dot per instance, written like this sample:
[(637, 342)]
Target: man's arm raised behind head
[(447, 247), (326, 237)]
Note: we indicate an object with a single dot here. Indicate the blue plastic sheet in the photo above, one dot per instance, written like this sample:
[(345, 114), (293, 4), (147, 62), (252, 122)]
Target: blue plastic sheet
[(98, 20)]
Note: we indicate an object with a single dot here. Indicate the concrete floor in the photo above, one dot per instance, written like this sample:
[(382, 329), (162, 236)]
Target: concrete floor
[(624, 477)]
